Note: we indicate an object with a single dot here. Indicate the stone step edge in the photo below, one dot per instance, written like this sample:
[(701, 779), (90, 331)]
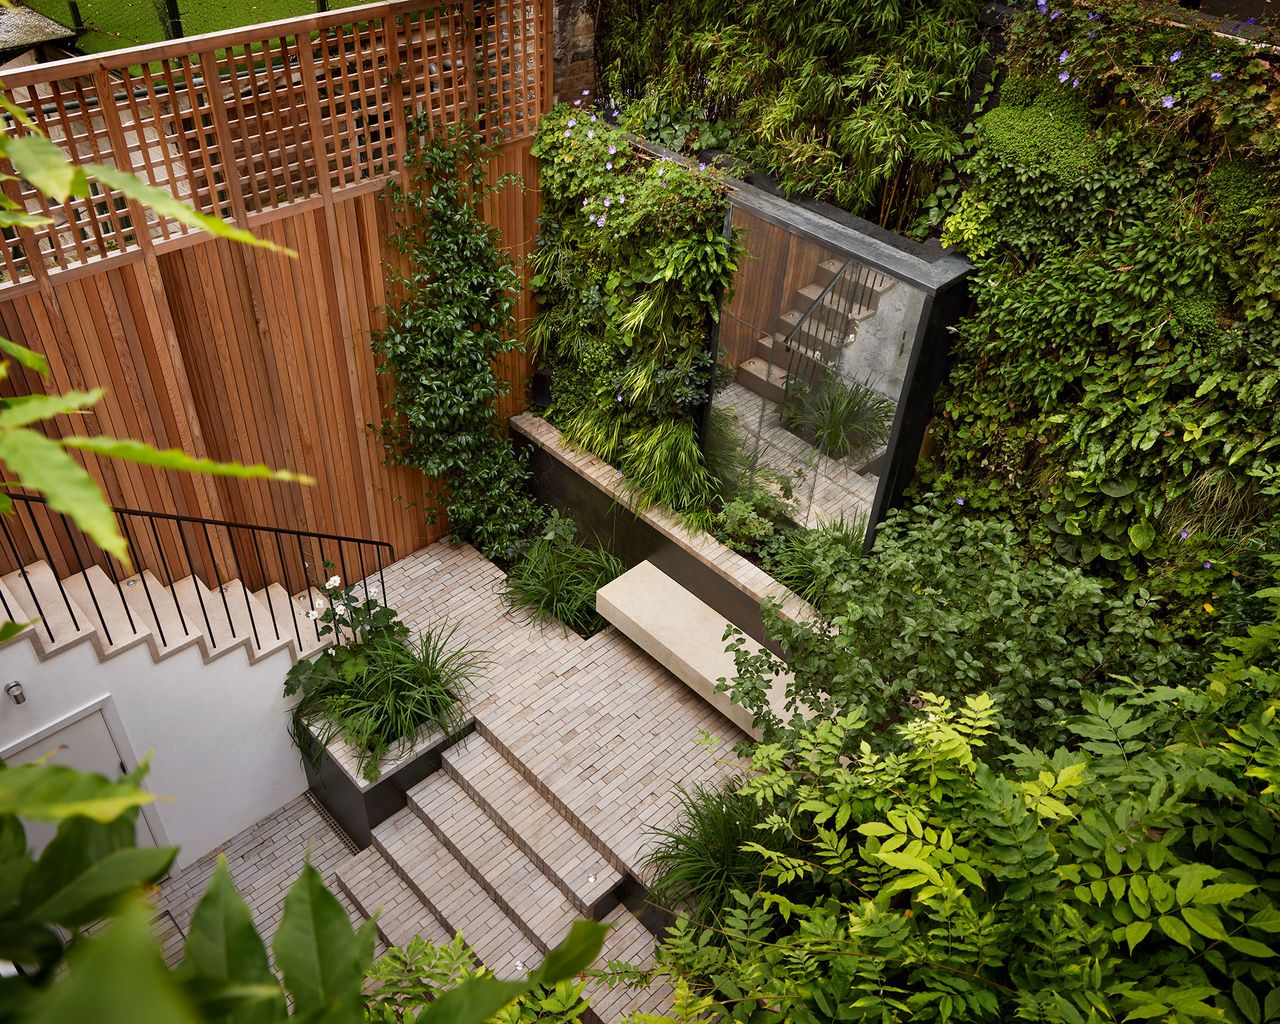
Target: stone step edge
[(550, 796), (369, 912), (471, 869), (603, 903), (429, 903)]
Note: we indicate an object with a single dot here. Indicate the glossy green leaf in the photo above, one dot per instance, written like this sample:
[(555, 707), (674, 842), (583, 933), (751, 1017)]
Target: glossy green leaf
[(116, 977), (173, 458), (45, 165), (80, 899), (31, 360), (225, 959), (162, 202), (321, 958), (576, 953), (52, 792), (1142, 535), (27, 409), (42, 465)]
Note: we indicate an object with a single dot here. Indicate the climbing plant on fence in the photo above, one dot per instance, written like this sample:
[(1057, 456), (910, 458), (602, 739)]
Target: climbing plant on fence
[(1118, 389), (629, 268), (859, 102), (453, 318)]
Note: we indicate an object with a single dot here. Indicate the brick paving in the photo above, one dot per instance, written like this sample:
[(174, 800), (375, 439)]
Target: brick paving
[(264, 860)]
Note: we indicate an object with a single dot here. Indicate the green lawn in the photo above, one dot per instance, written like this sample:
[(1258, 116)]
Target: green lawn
[(112, 24)]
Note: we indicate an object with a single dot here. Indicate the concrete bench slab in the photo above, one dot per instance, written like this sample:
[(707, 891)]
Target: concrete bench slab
[(684, 635)]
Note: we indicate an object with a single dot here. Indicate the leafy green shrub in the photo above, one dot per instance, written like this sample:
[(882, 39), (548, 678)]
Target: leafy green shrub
[(451, 321), (819, 564), (907, 880), (557, 581), (1122, 360), (632, 260), (699, 863), (839, 417), (949, 604), (856, 101), (376, 688)]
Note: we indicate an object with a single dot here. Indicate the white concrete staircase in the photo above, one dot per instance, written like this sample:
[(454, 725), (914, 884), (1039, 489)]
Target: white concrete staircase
[(479, 849), (116, 615)]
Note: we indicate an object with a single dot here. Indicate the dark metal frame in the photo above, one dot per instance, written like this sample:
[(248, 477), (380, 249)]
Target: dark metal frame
[(191, 532)]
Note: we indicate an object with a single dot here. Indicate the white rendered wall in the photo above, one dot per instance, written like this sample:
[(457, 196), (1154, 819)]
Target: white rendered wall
[(221, 757)]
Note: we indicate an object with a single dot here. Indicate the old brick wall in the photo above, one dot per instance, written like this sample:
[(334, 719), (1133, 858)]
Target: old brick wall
[(574, 29)]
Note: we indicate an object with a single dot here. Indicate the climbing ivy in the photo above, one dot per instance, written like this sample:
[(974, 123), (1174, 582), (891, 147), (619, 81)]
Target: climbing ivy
[(452, 320)]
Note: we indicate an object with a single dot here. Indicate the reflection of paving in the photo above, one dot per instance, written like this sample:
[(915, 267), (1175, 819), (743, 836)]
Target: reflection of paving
[(825, 489)]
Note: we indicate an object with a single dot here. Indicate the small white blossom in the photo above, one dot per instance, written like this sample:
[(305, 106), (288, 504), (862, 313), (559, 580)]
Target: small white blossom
[(339, 609), (312, 615), (373, 588), (333, 583)]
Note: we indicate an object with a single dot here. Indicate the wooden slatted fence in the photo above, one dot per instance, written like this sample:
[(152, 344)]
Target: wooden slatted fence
[(291, 130)]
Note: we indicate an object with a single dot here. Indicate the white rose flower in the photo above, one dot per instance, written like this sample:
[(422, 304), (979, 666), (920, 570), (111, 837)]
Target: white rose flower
[(333, 583), (339, 609)]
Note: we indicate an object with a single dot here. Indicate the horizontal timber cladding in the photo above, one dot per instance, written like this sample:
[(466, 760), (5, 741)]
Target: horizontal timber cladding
[(233, 352)]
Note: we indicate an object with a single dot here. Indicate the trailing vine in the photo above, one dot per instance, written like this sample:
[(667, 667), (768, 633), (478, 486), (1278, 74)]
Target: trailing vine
[(452, 321)]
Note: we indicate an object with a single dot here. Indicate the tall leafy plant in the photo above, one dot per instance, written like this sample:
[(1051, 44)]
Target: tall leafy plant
[(451, 321), (855, 101)]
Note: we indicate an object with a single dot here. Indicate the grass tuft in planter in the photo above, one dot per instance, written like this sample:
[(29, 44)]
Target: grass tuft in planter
[(838, 417), (377, 687)]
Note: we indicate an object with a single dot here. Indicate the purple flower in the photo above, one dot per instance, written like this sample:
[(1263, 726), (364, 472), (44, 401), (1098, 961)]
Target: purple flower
[(1093, 16), (615, 112), (1167, 102), (1075, 83), (1042, 6), (619, 398), (591, 134), (600, 221), (1185, 534), (608, 165), (586, 92), (577, 103), (1062, 57), (606, 202), (584, 200), (1175, 56), (567, 133), (612, 150), (1093, 33), (1061, 78), (1054, 15), (593, 118), (1208, 565), (622, 199), (959, 501), (1216, 75), (661, 170)]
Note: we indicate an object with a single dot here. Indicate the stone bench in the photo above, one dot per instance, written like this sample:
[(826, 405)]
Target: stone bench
[(684, 635)]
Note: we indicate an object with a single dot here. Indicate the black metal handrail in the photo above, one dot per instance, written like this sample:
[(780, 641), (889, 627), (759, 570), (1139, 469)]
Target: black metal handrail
[(188, 534)]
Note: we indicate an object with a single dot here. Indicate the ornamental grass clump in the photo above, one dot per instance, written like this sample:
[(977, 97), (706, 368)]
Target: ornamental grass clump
[(377, 687), (557, 581)]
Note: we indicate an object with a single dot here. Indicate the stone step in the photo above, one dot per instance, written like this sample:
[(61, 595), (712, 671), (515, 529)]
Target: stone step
[(684, 635), (528, 819), (506, 873), (38, 595), (460, 903), (204, 610), (302, 605), (630, 942), (821, 341), (153, 603), (118, 629), (826, 271), (765, 379), (797, 361), (846, 303), (375, 888), (251, 618)]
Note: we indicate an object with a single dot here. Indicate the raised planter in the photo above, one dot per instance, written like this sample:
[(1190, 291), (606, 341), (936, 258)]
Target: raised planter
[(595, 495), (359, 805)]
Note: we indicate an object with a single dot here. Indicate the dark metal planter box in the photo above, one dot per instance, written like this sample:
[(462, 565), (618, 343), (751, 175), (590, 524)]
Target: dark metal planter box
[(359, 805)]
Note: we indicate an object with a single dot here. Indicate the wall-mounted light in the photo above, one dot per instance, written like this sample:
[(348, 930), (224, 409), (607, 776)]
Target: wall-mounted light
[(14, 690)]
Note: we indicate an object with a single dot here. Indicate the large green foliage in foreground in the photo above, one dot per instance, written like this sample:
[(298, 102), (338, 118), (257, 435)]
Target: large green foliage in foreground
[(948, 602), (855, 101), (1131, 876), (1117, 391)]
